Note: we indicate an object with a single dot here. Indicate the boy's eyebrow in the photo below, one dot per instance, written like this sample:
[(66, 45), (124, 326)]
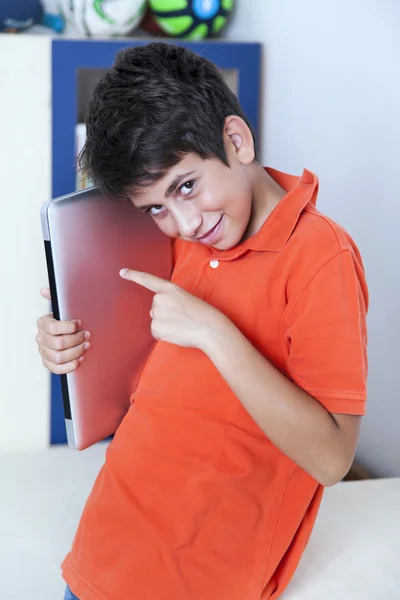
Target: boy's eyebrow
[(169, 191), (176, 181)]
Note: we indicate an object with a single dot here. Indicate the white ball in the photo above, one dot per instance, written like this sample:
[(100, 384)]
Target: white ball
[(106, 18)]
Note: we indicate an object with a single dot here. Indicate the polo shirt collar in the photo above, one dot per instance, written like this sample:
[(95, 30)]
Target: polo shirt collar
[(278, 227)]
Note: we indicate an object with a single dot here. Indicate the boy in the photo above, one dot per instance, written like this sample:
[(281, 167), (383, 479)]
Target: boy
[(251, 400)]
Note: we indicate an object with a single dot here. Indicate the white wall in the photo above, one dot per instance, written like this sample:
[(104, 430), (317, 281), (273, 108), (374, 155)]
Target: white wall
[(25, 183), (331, 98), (332, 104)]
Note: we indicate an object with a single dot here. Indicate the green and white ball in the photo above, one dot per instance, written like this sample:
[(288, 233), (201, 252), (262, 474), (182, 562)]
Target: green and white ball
[(191, 19), (102, 18)]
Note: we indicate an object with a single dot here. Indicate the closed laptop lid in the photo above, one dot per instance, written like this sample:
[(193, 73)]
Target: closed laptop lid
[(88, 239)]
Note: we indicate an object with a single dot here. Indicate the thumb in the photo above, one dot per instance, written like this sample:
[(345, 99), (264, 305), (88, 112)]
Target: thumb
[(45, 292)]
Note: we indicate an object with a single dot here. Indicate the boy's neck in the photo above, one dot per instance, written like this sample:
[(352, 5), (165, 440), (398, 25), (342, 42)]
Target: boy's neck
[(266, 195)]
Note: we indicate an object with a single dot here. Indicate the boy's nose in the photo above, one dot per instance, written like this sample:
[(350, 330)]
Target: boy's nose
[(188, 223)]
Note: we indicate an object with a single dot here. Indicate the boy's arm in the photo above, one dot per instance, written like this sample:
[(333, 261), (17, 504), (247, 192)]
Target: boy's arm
[(321, 443), (325, 329), (325, 332)]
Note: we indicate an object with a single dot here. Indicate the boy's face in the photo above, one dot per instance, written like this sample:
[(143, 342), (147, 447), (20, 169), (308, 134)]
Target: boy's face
[(201, 201)]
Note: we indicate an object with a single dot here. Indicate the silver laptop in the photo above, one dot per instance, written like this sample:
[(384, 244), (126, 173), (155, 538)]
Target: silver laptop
[(88, 239)]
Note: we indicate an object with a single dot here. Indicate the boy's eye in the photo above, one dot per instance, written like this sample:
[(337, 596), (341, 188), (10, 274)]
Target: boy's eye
[(156, 210), (187, 187)]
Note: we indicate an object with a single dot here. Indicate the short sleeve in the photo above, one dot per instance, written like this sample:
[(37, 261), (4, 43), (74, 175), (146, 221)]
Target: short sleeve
[(326, 333)]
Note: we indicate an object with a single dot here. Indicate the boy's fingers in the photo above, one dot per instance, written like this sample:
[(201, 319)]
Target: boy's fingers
[(151, 282), (45, 292), (53, 327), (62, 357), (61, 369), (61, 342)]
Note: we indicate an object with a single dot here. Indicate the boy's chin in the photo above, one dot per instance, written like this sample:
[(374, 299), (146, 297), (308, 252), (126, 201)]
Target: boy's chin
[(221, 246), (227, 244)]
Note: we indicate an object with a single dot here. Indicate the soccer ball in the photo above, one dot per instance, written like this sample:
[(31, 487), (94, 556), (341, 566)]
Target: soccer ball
[(107, 18), (191, 19)]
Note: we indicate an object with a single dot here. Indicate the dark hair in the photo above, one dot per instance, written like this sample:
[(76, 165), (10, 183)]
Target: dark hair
[(157, 103)]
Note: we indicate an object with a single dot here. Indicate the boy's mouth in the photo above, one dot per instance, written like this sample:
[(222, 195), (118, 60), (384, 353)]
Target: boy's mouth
[(212, 235)]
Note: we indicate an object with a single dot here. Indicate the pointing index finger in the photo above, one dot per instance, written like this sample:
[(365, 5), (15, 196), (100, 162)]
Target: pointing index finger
[(151, 282)]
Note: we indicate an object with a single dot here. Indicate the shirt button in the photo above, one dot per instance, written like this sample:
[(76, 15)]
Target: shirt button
[(214, 264)]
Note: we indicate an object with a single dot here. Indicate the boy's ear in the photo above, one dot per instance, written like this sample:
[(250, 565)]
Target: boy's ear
[(238, 139)]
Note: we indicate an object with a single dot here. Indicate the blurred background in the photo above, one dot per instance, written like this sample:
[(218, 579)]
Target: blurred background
[(320, 82)]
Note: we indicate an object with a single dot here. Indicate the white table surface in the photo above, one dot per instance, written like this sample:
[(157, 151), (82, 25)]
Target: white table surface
[(354, 552)]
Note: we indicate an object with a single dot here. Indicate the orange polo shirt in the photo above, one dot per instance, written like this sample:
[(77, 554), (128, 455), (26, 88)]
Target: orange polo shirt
[(194, 502)]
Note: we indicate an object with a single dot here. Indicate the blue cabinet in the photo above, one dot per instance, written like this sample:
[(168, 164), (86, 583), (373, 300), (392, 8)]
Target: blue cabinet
[(69, 58)]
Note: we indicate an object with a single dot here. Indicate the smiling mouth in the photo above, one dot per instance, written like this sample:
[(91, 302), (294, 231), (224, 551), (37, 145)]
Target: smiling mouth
[(206, 235)]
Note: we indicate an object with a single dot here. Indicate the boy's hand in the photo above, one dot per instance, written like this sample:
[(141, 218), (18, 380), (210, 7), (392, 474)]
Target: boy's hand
[(178, 317), (61, 343)]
